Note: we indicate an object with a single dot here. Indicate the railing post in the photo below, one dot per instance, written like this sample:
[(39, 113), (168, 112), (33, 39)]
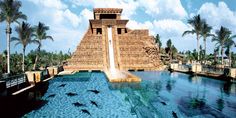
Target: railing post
[(17, 83), (10, 81)]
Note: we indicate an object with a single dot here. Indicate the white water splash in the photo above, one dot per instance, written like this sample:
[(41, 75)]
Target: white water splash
[(114, 73)]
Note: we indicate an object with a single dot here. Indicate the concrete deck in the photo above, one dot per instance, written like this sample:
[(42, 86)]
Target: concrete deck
[(66, 72), (207, 74), (129, 77), (22, 90)]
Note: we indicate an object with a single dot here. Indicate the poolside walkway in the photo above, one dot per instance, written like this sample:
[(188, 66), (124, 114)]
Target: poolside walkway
[(206, 74), (128, 77), (22, 90)]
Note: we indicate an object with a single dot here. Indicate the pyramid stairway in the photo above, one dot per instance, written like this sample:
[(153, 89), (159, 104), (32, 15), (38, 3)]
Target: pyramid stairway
[(133, 49)]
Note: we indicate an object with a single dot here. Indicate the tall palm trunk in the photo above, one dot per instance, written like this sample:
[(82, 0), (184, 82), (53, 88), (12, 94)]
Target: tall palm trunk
[(197, 46), (8, 31), (170, 55), (222, 55), (36, 59), (215, 57), (204, 49), (23, 60), (229, 58)]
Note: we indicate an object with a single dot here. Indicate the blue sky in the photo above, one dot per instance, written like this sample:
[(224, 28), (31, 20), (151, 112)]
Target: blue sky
[(68, 19)]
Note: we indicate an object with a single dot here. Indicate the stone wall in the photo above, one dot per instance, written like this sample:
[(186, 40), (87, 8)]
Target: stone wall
[(133, 49), (88, 55)]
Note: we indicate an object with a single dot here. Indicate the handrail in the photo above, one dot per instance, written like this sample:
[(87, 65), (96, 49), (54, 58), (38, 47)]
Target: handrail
[(14, 80)]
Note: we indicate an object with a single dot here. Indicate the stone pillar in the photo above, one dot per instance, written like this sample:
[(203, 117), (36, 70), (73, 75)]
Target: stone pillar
[(105, 49), (51, 71), (118, 16), (97, 16), (233, 72), (174, 66), (196, 68), (94, 31), (122, 30), (34, 76)]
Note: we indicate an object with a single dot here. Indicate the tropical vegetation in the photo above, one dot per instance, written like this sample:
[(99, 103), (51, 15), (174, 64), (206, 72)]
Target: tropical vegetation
[(46, 59), (196, 22), (26, 34), (224, 40), (39, 35), (10, 12)]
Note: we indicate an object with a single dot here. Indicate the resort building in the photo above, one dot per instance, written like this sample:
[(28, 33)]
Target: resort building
[(109, 43)]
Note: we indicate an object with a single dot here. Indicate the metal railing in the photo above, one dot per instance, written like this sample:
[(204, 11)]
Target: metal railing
[(15, 80), (183, 67), (214, 70)]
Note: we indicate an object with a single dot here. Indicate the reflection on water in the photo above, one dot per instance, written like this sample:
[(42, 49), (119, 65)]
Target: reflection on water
[(160, 94), (227, 87), (186, 95), (113, 86)]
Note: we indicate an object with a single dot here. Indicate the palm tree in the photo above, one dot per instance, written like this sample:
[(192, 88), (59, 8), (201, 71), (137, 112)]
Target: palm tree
[(40, 35), (229, 44), (1, 19), (168, 49), (10, 13), (205, 32), (196, 22), (158, 41), (216, 53), (223, 39), (24, 32)]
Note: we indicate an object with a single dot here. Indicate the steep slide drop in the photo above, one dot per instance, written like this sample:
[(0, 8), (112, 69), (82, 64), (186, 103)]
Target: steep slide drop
[(115, 75), (111, 51), (114, 72)]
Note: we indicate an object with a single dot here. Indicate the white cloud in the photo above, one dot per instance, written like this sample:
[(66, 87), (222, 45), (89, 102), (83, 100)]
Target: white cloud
[(170, 27), (73, 18), (155, 8), (87, 14), (66, 27), (132, 24), (218, 15), (50, 3), (129, 6), (164, 8)]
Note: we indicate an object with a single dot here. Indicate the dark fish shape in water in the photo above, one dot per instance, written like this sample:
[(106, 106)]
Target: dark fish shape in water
[(94, 91), (174, 114), (62, 85), (71, 94), (85, 111), (163, 103), (51, 96), (78, 104), (93, 103)]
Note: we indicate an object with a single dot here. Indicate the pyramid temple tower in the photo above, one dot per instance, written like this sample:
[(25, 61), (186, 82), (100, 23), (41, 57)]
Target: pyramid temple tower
[(109, 43)]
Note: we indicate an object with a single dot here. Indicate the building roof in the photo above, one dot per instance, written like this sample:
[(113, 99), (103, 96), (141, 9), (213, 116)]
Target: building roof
[(107, 10)]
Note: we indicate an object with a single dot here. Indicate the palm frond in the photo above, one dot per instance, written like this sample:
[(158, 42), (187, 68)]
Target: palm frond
[(188, 32), (17, 43), (15, 39), (49, 37), (232, 37)]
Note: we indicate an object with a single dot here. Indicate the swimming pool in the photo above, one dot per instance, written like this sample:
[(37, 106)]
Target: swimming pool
[(160, 94)]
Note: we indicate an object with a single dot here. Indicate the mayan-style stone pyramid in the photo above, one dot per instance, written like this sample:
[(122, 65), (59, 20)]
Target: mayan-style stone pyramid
[(132, 49)]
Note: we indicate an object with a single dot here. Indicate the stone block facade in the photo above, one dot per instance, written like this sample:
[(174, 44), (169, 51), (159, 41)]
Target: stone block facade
[(133, 49)]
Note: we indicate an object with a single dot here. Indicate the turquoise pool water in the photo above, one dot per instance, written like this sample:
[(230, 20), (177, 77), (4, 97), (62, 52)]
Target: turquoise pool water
[(160, 94)]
